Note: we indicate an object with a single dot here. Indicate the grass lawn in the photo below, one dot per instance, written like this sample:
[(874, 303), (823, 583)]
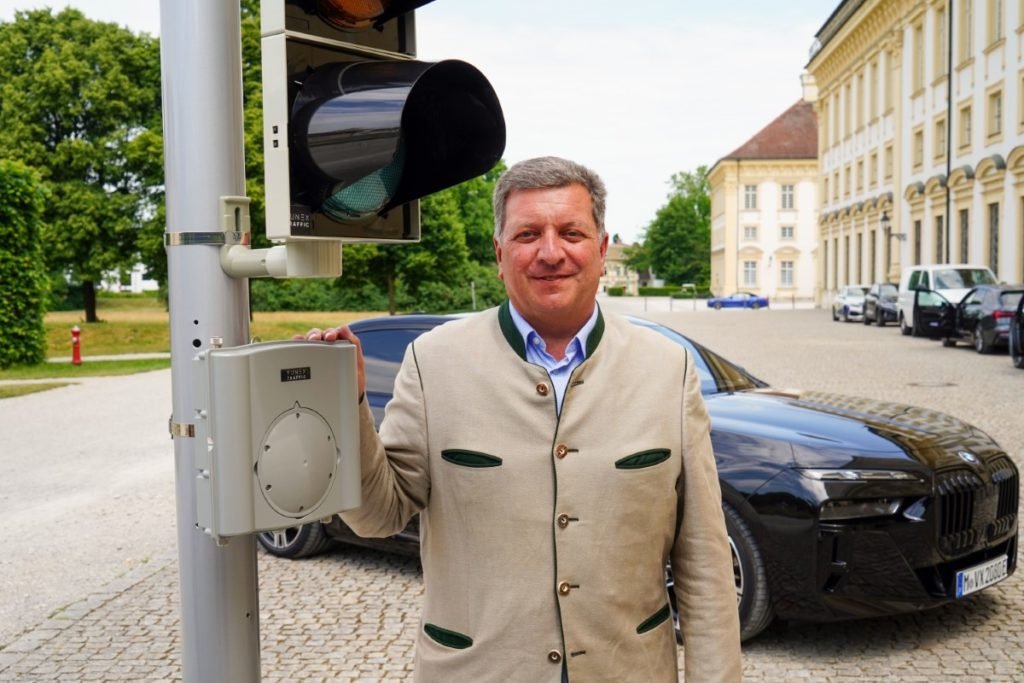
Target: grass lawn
[(140, 325), (12, 390)]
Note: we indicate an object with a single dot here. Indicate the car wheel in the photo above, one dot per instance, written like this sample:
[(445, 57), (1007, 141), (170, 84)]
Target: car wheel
[(1016, 348), (296, 541), (980, 345), (751, 580), (846, 316), (948, 342), (904, 330), (834, 316), (880, 320), (718, 305), (864, 318)]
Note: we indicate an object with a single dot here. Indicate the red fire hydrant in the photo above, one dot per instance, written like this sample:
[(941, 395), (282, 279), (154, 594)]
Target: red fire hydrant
[(76, 346)]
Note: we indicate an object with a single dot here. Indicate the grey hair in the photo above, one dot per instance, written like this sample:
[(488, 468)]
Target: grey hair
[(543, 173)]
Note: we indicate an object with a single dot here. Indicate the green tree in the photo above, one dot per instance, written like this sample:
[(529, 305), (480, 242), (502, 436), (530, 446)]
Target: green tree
[(76, 99), (677, 243), (22, 273)]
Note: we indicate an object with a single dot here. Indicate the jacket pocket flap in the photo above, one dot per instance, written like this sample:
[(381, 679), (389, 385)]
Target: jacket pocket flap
[(447, 638), (470, 458), (654, 620), (643, 459)]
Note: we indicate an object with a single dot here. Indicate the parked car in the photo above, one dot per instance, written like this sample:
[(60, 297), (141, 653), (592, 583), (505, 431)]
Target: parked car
[(982, 317), (951, 281), (880, 304), (836, 507), (849, 303), (1016, 341), (738, 300)]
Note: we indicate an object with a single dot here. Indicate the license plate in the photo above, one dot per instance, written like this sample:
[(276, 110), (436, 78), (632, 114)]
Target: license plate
[(982, 576)]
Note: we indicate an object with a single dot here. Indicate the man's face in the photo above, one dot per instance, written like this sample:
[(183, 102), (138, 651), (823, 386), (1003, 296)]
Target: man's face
[(551, 257)]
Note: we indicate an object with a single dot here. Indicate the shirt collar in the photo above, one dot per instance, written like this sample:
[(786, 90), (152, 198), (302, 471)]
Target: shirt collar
[(526, 329)]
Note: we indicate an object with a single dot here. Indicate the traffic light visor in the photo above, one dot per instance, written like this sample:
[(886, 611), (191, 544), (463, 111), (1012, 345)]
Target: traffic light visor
[(370, 136), (355, 14)]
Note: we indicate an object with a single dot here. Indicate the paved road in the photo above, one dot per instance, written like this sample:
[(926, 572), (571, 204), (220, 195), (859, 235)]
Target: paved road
[(351, 614)]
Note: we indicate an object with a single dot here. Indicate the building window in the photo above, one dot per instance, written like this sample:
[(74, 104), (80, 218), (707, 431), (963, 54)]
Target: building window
[(860, 175), (847, 110), (940, 139), (871, 257), (888, 162), (786, 232), (846, 260), (940, 251), (995, 113), (750, 273), (918, 148), (750, 232), (873, 169), (917, 73), (995, 21), (940, 42), (835, 186), (786, 273), (825, 187), (858, 103), (917, 242), (846, 181), (966, 23), (993, 237), (964, 234), (873, 90), (887, 82), (835, 270), (965, 127), (750, 196), (787, 196)]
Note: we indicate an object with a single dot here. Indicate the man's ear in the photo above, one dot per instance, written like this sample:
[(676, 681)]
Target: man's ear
[(604, 246), (497, 257)]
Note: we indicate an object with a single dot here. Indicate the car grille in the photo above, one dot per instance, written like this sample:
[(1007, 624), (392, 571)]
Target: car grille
[(957, 492), (969, 509)]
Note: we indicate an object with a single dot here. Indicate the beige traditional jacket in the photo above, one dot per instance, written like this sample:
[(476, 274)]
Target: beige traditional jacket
[(544, 539)]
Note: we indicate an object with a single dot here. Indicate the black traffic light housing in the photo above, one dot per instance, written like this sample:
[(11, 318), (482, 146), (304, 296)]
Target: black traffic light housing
[(355, 131)]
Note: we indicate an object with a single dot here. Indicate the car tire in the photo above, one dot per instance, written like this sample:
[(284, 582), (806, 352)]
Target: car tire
[(755, 306), (846, 316), (864, 318), (835, 317), (905, 330), (978, 337), (752, 596), (880, 320), (295, 542), (718, 305), (1016, 347), (948, 342)]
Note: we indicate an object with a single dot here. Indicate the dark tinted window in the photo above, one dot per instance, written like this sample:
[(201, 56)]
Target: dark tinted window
[(962, 278), (716, 373), (1009, 300), (383, 351)]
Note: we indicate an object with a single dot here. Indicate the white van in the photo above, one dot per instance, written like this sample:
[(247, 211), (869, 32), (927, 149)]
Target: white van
[(952, 281)]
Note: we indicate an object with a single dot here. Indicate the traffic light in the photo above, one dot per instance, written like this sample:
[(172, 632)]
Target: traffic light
[(355, 130)]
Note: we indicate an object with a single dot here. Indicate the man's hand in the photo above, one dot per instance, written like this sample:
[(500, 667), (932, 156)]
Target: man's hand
[(333, 334)]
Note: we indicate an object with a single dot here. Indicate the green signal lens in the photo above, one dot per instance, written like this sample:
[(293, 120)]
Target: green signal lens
[(369, 194)]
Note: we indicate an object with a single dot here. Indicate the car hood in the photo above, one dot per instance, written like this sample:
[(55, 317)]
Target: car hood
[(833, 430)]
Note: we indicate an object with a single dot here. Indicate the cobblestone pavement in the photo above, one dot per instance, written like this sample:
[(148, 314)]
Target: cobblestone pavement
[(351, 615)]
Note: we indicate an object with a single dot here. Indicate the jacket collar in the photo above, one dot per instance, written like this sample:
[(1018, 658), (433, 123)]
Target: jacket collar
[(515, 340)]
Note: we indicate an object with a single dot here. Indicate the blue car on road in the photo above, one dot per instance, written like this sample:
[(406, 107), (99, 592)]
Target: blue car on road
[(738, 300)]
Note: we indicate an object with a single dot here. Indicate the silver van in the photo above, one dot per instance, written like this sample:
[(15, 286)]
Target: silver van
[(951, 280)]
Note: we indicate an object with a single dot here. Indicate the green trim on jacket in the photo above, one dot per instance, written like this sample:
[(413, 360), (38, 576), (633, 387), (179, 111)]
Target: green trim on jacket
[(518, 344)]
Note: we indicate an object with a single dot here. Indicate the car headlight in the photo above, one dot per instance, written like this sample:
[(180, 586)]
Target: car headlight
[(858, 475), (837, 510)]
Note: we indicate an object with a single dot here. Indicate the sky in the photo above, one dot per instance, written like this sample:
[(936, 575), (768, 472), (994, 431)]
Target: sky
[(635, 90)]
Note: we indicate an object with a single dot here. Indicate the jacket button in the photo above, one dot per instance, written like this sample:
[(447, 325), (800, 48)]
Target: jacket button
[(563, 520), (542, 389), (561, 450), (564, 588), (554, 656)]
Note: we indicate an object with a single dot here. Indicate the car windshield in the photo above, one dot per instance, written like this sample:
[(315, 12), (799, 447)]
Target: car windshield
[(716, 373), (888, 290), (1009, 300), (856, 292), (963, 278)]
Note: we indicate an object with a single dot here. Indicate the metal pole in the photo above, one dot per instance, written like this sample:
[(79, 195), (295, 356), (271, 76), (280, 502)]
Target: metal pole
[(201, 67)]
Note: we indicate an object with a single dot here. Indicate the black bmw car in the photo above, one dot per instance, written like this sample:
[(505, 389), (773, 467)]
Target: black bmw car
[(836, 507)]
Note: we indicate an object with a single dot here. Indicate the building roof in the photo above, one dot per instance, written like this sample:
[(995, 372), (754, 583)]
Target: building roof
[(793, 135)]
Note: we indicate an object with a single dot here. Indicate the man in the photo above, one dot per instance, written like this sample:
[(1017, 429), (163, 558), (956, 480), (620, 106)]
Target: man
[(558, 457)]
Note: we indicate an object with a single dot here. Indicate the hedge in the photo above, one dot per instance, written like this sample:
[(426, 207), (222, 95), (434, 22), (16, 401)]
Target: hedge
[(23, 280)]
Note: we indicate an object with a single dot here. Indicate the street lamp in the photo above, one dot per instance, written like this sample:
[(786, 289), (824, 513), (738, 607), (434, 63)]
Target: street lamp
[(887, 228)]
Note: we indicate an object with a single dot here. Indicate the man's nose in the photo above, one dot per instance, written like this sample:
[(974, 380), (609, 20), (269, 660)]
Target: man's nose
[(550, 247)]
